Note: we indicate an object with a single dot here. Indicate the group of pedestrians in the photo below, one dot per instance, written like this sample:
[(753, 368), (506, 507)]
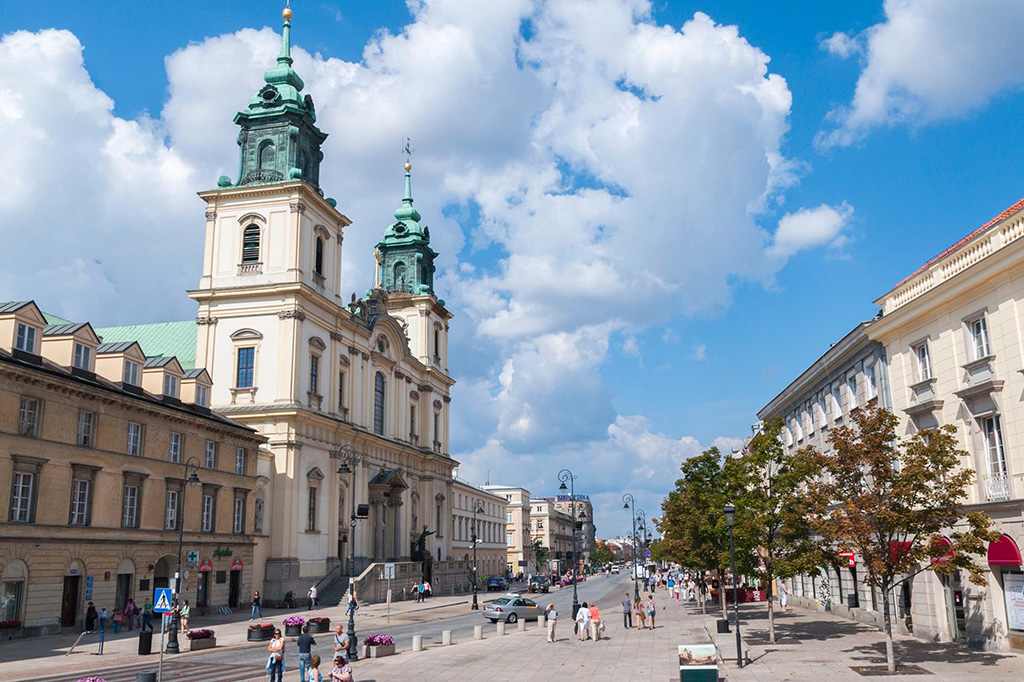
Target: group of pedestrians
[(309, 663), (642, 610), (130, 616)]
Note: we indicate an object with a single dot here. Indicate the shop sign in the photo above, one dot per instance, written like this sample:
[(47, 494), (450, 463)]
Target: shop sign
[(206, 566), (236, 564), (851, 559), (221, 552)]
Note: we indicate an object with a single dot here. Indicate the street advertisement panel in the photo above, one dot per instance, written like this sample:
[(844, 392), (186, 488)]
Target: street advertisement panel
[(1013, 593)]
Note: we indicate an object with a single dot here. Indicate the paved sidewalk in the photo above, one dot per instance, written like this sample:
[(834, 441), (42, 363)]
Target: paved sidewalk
[(37, 657), (813, 645)]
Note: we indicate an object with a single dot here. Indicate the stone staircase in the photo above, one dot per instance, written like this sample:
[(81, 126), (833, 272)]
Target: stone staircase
[(334, 593)]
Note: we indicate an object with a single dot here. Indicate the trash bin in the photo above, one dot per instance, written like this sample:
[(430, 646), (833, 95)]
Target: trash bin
[(146, 643), (723, 626), (145, 676), (851, 601)]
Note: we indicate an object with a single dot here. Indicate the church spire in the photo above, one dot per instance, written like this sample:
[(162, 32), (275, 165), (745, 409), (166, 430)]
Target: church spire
[(405, 257), (286, 36)]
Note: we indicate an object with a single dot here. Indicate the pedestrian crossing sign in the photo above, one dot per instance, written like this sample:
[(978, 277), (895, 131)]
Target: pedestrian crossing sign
[(162, 600)]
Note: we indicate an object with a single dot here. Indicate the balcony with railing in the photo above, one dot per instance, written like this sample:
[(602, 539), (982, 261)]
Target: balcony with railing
[(997, 487), (250, 268)]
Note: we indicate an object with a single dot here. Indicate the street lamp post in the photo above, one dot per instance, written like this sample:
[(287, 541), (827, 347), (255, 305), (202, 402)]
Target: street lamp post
[(629, 502), (730, 521), (189, 475), (349, 459), (565, 476), (641, 524), (477, 509)]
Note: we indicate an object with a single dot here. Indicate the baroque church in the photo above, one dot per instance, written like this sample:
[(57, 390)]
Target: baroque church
[(352, 397)]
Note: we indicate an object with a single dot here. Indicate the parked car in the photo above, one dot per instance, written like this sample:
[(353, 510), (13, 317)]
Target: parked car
[(511, 608), (615, 569), (540, 583), (497, 584)]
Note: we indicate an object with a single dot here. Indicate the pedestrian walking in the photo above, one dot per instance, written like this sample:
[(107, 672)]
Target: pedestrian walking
[(186, 611), (304, 644), (103, 618), (596, 626), (314, 670), (627, 612), (116, 618), (275, 661), (551, 618), (342, 671), (583, 621), (340, 641), (256, 606), (783, 595), (91, 616), (353, 602), (652, 609), (641, 614), (311, 595), (147, 615)]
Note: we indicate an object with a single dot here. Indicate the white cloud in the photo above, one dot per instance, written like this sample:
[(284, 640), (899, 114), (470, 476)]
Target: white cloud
[(930, 60), (700, 352), (809, 228), (669, 335), (841, 45)]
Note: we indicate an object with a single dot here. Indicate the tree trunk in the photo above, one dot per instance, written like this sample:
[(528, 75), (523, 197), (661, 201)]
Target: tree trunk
[(769, 583), (890, 653), (721, 593)]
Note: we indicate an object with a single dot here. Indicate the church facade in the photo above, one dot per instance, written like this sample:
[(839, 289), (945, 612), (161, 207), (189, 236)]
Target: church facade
[(352, 397)]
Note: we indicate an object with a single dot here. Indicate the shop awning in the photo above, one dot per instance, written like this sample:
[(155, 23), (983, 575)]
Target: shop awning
[(1003, 552), (949, 551)]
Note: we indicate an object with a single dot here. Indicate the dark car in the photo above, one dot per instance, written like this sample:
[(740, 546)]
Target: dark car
[(497, 583), (540, 583)]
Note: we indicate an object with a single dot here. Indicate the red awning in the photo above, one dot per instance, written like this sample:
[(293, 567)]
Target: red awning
[(949, 552), (1003, 552)]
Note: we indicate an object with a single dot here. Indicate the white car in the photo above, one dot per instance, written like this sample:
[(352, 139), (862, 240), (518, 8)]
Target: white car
[(615, 569)]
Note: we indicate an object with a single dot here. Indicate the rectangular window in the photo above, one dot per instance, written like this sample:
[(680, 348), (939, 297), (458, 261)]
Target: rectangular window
[(210, 460), (83, 357), (21, 497), (207, 513), (238, 523), (85, 422), (171, 510), (508, 517), (174, 452), (851, 390), (822, 414), (412, 420), (311, 520), (341, 390), (80, 502), (130, 507), (171, 386), (239, 460), (837, 404), (134, 439), (510, 539), (246, 363), (979, 337), (314, 374), (993, 432), (28, 417), (26, 338), (869, 373), (202, 396), (131, 373), (924, 362)]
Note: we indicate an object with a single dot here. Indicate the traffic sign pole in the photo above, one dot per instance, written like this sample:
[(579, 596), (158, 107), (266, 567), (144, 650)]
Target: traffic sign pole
[(160, 668), (161, 605)]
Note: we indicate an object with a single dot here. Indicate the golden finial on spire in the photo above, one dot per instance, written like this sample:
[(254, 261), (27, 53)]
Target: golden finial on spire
[(287, 13), (408, 150)]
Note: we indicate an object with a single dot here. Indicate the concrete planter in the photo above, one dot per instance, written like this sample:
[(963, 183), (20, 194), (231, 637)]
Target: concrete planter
[(260, 635), (292, 630), (200, 644), (379, 651), (315, 627)]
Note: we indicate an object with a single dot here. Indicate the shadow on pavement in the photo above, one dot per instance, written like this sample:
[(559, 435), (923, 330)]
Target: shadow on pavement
[(925, 652)]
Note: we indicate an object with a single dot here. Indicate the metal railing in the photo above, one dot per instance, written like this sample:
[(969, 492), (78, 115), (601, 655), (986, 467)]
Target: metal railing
[(997, 487)]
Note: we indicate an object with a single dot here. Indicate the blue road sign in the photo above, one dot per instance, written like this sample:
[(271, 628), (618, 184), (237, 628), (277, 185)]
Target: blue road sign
[(162, 600), (647, 554)]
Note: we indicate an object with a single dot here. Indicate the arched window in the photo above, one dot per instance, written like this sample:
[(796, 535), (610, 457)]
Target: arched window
[(267, 155), (251, 244), (318, 258), (400, 276), (378, 404)]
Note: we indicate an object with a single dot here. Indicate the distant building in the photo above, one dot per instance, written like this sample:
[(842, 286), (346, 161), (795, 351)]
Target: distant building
[(520, 555), (552, 529), (584, 512), (488, 525), (94, 442)]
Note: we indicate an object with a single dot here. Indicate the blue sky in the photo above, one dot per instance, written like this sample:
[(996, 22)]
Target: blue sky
[(632, 281)]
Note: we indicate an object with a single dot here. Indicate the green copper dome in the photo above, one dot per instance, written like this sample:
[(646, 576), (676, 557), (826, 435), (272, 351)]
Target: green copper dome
[(405, 258)]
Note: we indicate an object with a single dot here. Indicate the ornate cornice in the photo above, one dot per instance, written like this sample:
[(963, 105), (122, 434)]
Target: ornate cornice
[(292, 314), (201, 321), (337, 336), (297, 207)]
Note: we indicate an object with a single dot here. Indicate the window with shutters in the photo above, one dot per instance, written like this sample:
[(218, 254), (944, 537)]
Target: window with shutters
[(378, 404), (251, 244)]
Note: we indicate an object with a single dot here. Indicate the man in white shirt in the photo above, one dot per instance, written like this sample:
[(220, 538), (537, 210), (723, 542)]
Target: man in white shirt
[(583, 621), (312, 596), (551, 616)]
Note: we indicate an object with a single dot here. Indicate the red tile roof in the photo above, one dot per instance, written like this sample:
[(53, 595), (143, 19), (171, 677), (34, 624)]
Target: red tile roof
[(999, 218)]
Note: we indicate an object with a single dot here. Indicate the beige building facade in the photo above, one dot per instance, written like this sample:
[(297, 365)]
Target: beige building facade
[(95, 441), (477, 512), (552, 529), (519, 552)]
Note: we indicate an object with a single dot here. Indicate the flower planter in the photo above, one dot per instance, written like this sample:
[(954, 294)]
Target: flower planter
[(292, 630), (315, 627), (379, 651), (199, 644), (260, 635)]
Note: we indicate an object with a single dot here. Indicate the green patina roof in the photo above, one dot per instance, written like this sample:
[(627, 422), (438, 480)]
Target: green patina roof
[(406, 259), (162, 339), (54, 319)]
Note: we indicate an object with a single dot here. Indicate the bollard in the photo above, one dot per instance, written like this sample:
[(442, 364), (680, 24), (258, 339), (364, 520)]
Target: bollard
[(522, 625), (478, 632), (417, 642), (501, 628), (446, 637)]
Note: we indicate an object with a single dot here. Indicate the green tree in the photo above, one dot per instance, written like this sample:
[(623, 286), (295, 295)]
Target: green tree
[(541, 552), (772, 508), (600, 555), (888, 500)]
